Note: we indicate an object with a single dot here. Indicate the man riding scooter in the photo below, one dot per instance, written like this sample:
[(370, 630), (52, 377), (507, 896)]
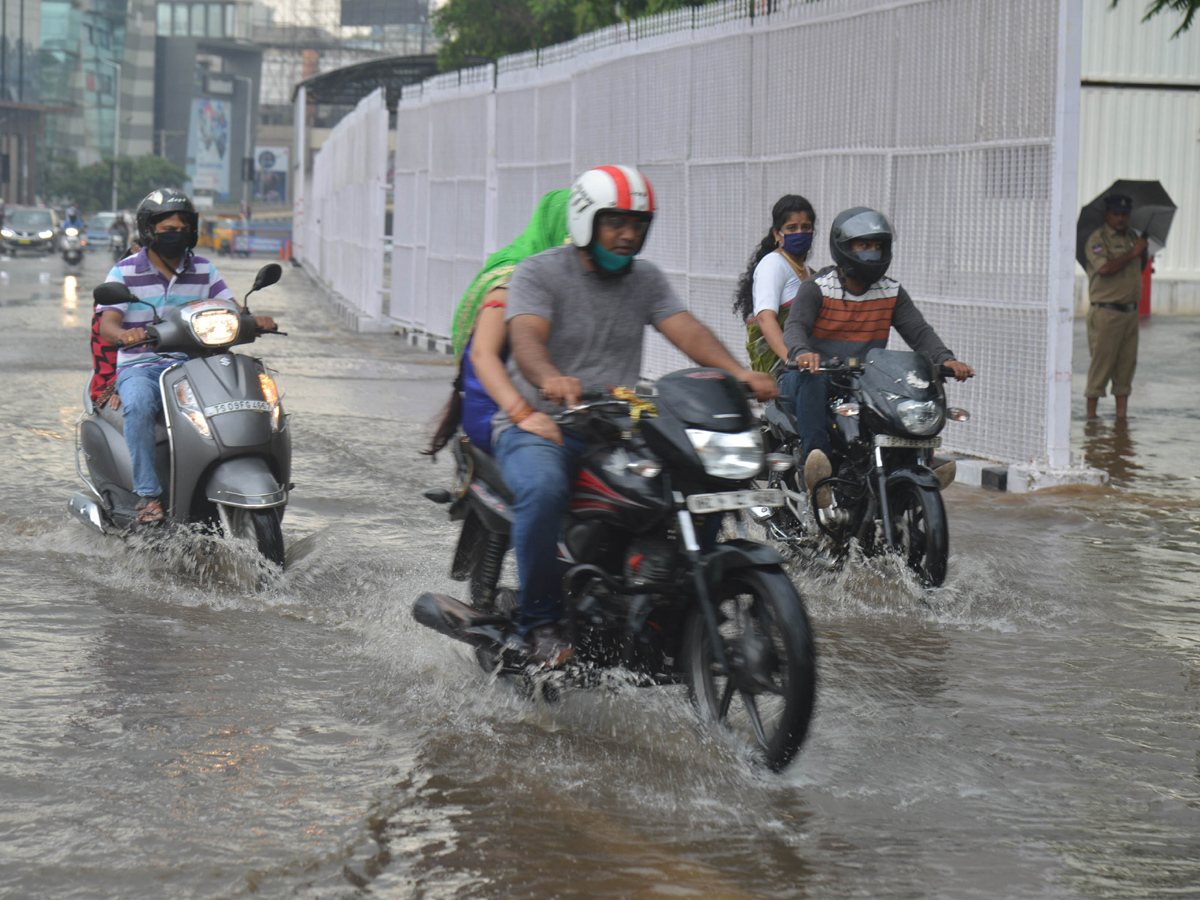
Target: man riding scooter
[(165, 273)]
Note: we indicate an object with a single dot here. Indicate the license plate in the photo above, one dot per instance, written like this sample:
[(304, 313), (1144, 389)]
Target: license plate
[(707, 503), (24, 242)]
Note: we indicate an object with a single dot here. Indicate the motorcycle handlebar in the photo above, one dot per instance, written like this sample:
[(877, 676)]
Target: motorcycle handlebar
[(838, 365)]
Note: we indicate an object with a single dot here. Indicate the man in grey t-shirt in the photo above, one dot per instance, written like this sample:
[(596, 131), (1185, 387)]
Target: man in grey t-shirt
[(577, 315)]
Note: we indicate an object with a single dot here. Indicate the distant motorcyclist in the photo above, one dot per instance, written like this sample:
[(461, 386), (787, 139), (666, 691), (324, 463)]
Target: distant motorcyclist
[(843, 311), (165, 273), (120, 228), (73, 218)]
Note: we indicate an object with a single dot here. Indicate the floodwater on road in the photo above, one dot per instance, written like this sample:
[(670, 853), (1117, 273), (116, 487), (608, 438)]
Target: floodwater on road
[(1029, 730)]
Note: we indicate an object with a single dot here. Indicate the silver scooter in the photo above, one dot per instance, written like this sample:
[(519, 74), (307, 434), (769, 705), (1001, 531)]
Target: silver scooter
[(224, 449)]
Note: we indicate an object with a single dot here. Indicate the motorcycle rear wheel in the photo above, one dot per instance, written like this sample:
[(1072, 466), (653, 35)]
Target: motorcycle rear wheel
[(921, 530), (262, 527), (767, 691)]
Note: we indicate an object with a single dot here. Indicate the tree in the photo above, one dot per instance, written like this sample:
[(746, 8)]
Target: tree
[(1186, 8), (90, 187), (471, 29)]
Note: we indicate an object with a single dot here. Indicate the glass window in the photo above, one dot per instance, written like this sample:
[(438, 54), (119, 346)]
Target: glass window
[(229, 9), (198, 20), (216, 17), (164, 19), (181, 19)]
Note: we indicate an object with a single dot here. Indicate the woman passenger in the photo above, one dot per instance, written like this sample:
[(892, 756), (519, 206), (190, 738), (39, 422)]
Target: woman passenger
[(769, 285)]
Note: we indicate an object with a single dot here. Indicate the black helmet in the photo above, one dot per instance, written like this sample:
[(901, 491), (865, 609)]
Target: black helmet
[(861, 223), (161, 204)]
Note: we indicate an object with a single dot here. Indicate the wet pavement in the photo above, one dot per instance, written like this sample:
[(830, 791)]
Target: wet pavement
[(1030, 730)]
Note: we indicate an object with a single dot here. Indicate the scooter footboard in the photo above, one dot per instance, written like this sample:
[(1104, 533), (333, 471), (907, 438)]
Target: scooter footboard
[(247, 482)]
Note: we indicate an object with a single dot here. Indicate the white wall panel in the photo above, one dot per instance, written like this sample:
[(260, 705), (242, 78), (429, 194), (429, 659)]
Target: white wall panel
[(1119, 46)]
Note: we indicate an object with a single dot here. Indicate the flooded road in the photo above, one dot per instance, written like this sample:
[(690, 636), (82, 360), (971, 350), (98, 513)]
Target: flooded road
[(1030, 730)]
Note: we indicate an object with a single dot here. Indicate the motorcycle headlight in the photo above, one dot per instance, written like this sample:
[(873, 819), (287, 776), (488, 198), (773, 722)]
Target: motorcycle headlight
[(191, 409), (72, 232), (271, 395), (45, 235), (215, 327), (921, 417), (734, 456)]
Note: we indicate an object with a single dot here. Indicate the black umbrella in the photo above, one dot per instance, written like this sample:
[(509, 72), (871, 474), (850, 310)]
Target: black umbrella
[(1153, 210)]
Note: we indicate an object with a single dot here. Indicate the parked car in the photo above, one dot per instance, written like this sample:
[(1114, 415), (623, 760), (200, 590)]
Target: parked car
[(30, 228)]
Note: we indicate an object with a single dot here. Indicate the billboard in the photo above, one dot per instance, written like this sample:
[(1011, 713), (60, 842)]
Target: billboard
[(384, 12), (271, 174), (208, 146)]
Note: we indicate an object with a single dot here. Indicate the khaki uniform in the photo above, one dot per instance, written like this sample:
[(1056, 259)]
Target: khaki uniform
[(1112, 333)]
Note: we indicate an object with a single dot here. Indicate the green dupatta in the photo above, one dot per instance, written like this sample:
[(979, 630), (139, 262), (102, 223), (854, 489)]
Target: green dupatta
[(547, 228)]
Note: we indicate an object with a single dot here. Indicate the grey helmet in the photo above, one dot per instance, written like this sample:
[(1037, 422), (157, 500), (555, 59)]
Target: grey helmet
[(861, 223)]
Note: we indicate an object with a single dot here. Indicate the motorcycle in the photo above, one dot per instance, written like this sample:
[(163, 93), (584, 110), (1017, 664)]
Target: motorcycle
[(648, 586), (884, 418), (71, 244), (224, 451)]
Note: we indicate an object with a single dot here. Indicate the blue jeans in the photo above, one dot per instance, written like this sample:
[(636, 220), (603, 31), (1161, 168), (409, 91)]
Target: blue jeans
[(141, 402), (539, 472), (807, 395)]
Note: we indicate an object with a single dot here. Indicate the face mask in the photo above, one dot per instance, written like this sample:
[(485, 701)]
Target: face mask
[(797, 243), (171, 244), (868, 256), (612, 263)]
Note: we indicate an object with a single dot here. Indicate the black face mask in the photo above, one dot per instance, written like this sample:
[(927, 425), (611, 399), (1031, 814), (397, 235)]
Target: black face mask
[(172, 244)]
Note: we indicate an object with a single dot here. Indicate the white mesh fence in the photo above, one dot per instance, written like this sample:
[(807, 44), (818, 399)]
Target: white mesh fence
[(339, 235), (956, 118)]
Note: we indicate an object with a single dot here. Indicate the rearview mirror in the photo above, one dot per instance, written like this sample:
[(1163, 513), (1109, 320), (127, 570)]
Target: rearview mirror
[(111, 293), (267, 276)]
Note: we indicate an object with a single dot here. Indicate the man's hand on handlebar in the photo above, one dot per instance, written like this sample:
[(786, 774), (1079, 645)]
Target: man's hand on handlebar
[(762, 384), (563, 390), (960, 369), (808, 362), (264, 323), (131, 336)]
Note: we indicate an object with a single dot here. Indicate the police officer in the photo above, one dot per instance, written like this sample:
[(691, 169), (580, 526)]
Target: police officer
[(1116, 257)]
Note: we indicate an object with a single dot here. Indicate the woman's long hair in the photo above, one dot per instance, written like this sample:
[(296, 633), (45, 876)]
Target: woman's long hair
[(743, 297)]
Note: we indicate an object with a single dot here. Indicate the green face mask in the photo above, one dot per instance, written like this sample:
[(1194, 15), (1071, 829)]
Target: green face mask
[(612, 263)]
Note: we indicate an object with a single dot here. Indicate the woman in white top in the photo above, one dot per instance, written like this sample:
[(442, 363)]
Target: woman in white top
[(769, 285)]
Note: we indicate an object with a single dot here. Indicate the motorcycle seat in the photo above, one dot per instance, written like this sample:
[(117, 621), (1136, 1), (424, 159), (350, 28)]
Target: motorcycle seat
[(488, 470), (116, 419)]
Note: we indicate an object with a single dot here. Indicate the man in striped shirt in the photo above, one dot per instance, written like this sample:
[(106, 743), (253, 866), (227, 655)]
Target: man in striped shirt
[(164, 273), (844, 311)]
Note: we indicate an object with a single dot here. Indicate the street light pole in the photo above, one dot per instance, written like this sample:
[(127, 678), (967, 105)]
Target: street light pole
[(116, 126), (249, 151)]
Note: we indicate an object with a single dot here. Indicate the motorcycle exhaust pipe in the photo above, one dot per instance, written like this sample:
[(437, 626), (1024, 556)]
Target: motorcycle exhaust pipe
[(87, 511)]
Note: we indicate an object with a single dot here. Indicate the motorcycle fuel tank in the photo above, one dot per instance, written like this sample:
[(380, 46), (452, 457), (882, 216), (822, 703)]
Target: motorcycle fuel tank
[(606, 488)]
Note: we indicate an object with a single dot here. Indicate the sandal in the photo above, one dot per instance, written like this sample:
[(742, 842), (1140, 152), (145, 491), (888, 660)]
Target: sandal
[(150, 511)]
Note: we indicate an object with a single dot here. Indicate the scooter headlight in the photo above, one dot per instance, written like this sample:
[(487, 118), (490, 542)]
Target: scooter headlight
[(921, 417), (72, 232), (271, 394), (735, 456), (215, 327), (190, 408)]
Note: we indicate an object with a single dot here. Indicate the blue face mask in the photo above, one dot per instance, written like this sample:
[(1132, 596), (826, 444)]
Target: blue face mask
[(797, 243), (612, 263)]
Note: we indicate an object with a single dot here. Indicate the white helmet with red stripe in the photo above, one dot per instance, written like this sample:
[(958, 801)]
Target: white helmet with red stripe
[(601, 188)]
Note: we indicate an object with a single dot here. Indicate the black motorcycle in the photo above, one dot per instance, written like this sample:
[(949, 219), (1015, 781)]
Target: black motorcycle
[(884, 418), (649, 586)]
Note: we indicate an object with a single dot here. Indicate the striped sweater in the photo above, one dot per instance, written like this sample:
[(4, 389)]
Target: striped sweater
[(829, 320), (197, 280)]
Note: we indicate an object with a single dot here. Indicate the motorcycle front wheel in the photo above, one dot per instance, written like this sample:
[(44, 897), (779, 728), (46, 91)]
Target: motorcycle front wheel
[(765, 692), (921, 531), (260, 526)]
